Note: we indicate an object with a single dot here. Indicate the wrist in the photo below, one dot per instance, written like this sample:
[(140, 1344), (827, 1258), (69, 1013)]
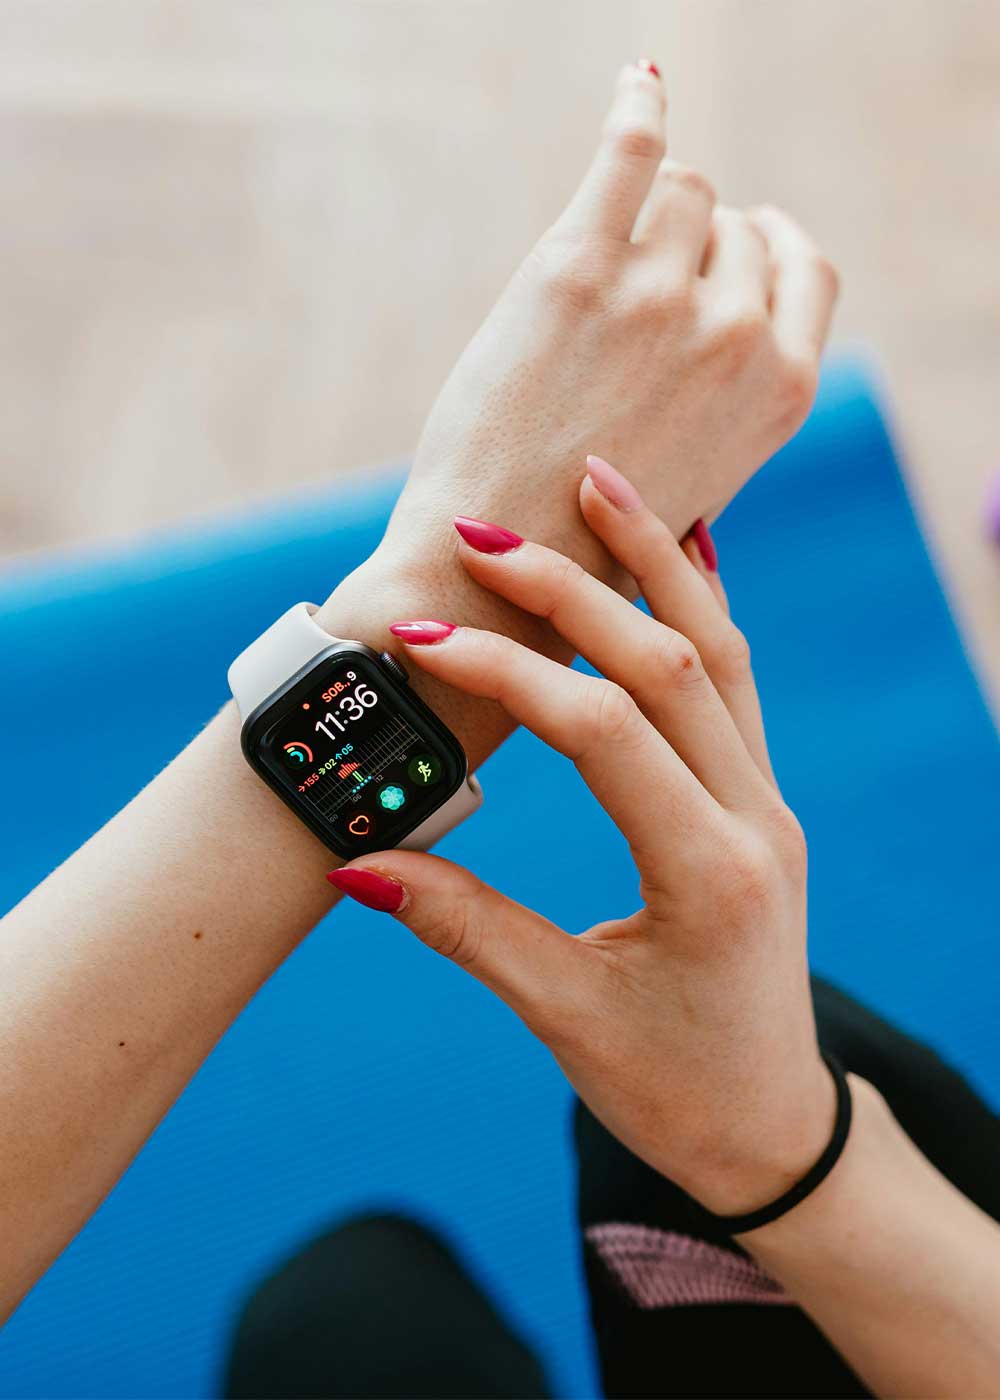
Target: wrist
[(898, 1268), (770, 1151), (392, 586), (874, 1141)]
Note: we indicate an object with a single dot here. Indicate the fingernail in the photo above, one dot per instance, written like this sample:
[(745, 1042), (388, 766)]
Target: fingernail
[(612, 485), (706, 545), (372, 890), (487, 538), (648, 66), (423, 633)]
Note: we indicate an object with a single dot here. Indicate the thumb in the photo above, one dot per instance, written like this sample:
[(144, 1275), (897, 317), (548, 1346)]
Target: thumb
[(525, 959)]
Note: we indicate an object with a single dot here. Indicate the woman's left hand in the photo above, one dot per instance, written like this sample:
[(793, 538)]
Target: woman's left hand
[(686, 1026)]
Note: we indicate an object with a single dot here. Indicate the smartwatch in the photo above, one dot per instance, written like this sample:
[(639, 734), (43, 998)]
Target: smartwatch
[(335, 731)]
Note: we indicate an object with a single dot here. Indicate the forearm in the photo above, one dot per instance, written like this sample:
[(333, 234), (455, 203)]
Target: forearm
[(899, 1269), (120, 971)]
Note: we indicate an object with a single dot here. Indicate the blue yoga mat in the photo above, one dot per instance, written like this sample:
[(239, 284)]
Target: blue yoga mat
[(369, 1072)]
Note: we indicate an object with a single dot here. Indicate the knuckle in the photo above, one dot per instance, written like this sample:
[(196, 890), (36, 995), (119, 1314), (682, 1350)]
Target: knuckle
[(736, 224), (634, 141), (455, 933), (795, 389), (789, 841), (755, 232), (708, 862), (614, 712), (676, 660), (828, 274), (780, 229), (745, 330), (737, 339), (728, 659), (564, 578), (725, 216), (660, 302), (745, 884), (574, 275), (688, 181)]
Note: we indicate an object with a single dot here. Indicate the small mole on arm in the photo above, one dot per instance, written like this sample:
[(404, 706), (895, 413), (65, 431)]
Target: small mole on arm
[(120, 1044), (197, 935)]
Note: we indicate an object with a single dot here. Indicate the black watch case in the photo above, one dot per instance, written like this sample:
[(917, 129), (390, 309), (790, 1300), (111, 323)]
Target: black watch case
[(355, 754)]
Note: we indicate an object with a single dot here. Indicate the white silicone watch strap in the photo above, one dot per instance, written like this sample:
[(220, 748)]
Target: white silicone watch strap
[(461, 804), (286, 647)]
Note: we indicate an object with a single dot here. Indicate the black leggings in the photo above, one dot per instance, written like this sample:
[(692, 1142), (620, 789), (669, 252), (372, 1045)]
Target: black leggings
[(380, 1307)]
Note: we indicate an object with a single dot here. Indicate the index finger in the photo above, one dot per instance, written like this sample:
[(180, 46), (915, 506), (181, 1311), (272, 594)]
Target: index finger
[(627, 765), (678, 592), (632, 145)]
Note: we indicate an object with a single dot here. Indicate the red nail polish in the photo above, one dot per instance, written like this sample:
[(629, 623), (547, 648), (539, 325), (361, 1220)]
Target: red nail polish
[(372, 890), (423, 633), (648, 66), (487, 538), (706, 545)]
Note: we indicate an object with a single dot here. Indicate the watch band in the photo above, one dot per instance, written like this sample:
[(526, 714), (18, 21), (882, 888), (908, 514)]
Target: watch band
[(285, 648)]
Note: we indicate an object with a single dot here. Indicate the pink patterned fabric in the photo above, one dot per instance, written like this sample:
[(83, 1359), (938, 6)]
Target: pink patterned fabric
[(661, 1269)]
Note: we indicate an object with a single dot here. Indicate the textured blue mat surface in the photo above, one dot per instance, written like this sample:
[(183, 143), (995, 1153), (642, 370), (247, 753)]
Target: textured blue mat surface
[(369, 1072)]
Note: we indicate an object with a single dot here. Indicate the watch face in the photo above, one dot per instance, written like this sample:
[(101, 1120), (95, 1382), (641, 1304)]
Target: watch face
[(354, 753)]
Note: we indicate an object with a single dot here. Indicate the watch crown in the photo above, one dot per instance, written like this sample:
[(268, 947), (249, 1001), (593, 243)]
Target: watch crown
[(394, 667)]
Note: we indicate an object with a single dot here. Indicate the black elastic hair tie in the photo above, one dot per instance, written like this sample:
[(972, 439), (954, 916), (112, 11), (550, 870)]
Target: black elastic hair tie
[(754, 1219)]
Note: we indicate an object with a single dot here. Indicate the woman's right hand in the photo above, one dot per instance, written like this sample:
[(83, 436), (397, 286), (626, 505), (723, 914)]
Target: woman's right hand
[(687, 1026)]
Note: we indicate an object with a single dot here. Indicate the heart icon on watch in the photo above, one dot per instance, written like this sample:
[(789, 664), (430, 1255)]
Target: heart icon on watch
[(361, 825)]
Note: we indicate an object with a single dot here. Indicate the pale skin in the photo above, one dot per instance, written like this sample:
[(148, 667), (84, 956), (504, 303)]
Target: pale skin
[(687, 1024), (120, 971), (648, 324)]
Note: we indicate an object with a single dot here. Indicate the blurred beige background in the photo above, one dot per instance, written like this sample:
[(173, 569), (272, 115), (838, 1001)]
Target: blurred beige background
[(241, 241)]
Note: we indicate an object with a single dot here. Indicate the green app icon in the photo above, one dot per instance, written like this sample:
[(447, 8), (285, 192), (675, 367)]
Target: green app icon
[(424, 769)]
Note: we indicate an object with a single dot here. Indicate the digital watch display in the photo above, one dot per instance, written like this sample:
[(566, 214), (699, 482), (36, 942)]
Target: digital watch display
[(353, 754), (345, 742)]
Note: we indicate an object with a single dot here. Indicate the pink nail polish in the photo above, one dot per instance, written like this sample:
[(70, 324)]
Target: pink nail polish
[(648, 66), (612, 485), (487, 538), (424, 633), (372, 890), (706, 545)]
